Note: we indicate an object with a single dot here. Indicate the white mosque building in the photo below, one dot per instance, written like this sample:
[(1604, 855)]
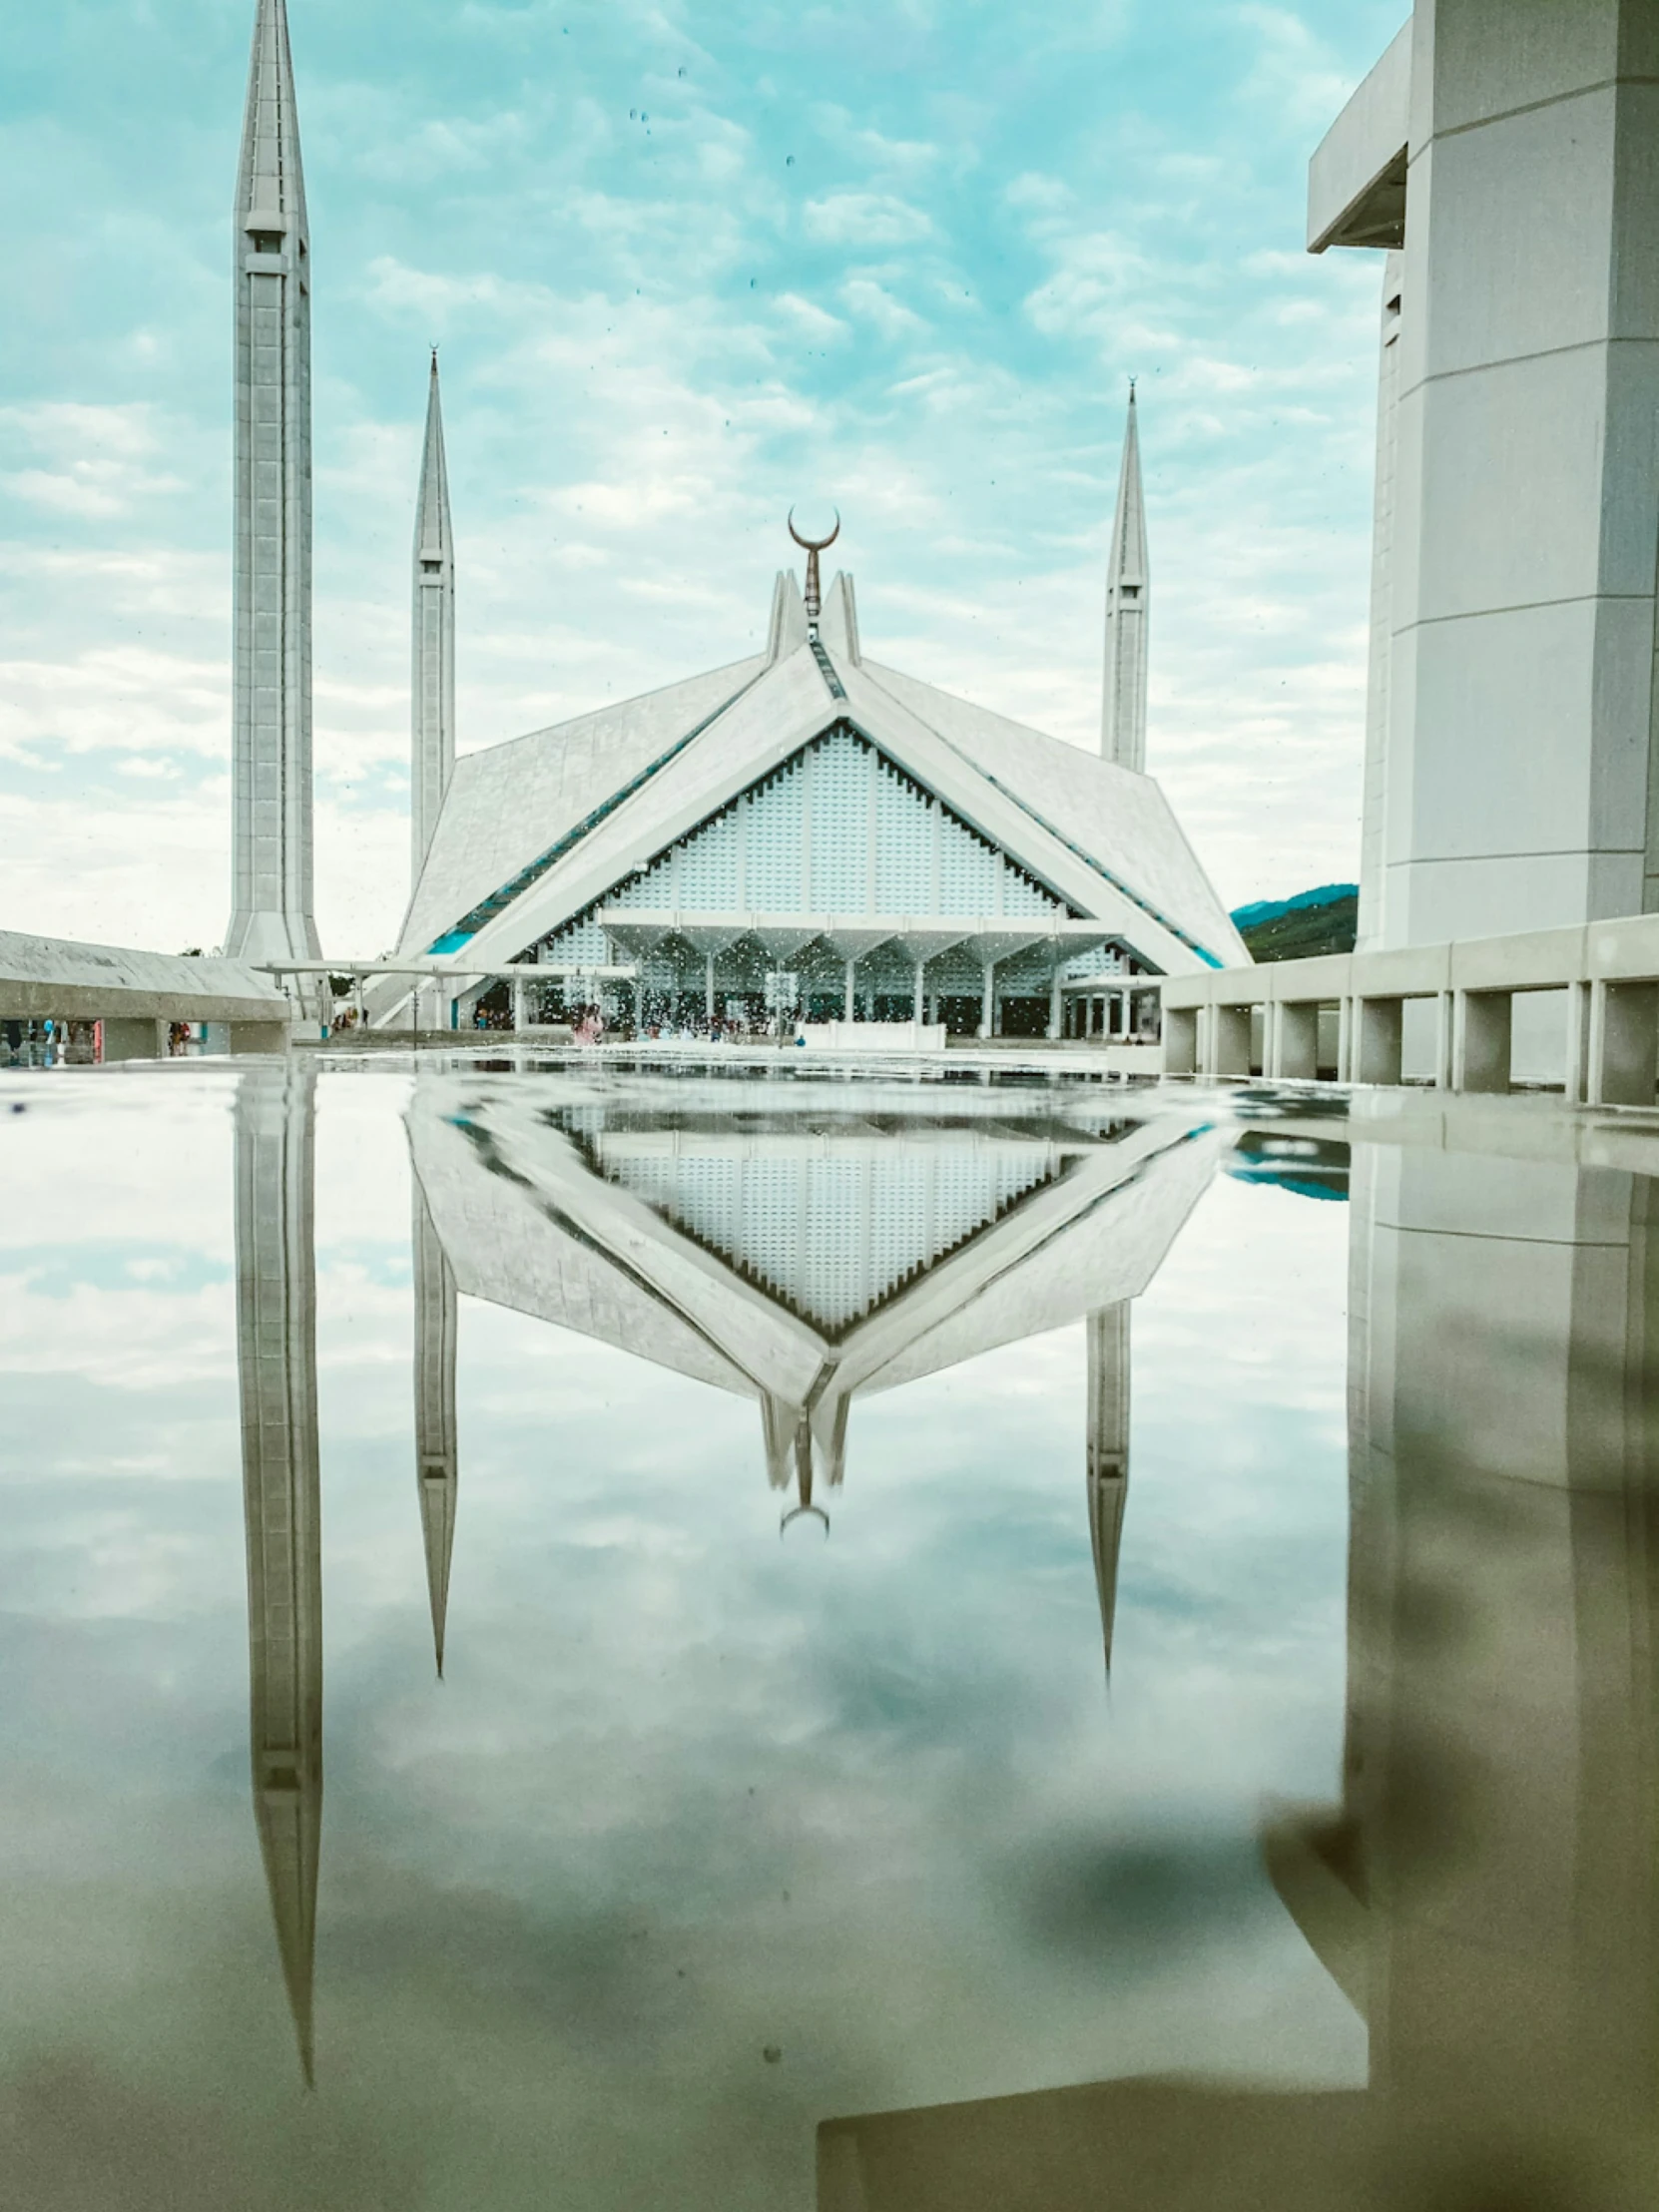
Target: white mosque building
[(806, 827)]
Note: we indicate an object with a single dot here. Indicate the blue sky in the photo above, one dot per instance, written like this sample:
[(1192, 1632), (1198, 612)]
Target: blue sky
[(686, 264)]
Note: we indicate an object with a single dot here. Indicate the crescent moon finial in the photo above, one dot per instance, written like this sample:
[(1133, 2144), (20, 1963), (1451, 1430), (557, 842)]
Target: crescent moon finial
[(815, 545)]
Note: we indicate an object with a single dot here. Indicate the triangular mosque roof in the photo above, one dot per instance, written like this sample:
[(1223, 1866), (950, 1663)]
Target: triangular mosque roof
[(1120, 817), (508, 803), (536, 830)]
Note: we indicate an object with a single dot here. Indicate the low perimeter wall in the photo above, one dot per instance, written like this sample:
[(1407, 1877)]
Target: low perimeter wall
[(57, 979), (1266, 1020)]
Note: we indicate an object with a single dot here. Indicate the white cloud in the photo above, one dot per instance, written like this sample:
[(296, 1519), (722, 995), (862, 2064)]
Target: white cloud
[(864, 219), (813, 321), (872, 303), (87, 459)]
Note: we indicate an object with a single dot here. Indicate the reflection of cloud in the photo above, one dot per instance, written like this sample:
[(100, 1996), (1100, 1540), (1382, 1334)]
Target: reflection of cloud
[(686, 1792)]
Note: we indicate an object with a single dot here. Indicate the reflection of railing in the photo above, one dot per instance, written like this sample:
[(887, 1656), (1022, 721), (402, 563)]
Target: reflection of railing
[(1343, 1017)]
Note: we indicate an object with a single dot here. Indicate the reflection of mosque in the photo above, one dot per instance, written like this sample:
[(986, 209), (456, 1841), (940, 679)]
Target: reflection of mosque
[(1483, 1890), (799, 1255)]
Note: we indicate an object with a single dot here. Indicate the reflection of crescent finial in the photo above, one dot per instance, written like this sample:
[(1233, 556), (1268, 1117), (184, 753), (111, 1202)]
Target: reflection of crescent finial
[(815, 545), (817, 1511)]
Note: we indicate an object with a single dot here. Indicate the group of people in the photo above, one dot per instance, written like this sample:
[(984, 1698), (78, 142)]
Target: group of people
[(734, 1025), (49, 1043)]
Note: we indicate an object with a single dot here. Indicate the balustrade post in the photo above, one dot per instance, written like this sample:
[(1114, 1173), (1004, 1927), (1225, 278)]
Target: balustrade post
[(1483, 1029), (1624, 1043)]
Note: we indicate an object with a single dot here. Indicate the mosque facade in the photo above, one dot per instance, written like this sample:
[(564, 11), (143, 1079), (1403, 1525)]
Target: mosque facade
[(805, 829)]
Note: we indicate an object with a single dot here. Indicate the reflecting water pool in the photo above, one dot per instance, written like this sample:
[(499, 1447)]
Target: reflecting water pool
[(602, 1637)]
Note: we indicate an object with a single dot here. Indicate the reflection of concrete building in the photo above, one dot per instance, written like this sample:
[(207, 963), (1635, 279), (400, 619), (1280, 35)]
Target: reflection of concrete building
[(435, 1395), (1108, 1453), (277, 1361), (809, 1259), (1483, 1891), (1500, 157)]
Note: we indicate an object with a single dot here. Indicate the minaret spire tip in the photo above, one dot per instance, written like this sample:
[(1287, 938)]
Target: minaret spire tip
[(1123, 700), (432, 690)]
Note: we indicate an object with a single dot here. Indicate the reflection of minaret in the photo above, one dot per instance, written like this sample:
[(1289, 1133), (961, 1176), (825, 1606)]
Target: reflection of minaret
[(276, 1362), (1108, 1338), (436, 1456), (795, 1439)]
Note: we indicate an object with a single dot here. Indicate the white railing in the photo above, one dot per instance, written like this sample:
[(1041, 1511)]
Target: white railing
[(1270, 1020)]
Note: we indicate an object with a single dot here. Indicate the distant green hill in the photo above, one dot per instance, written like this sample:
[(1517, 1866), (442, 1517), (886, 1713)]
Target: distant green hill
[(1322, 921)]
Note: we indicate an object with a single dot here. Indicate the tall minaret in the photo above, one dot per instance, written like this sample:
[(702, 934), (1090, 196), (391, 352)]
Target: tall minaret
[(276, 1362), (1123, 704), (432, 689), (1108, 1453), (436, 1459), (271, 760)]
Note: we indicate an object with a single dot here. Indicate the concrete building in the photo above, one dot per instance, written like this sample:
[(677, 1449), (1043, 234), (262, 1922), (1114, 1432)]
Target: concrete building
[(270, 760), (1128, 611), (801, 828), (432, 677), (808, 827), (1499, 157)]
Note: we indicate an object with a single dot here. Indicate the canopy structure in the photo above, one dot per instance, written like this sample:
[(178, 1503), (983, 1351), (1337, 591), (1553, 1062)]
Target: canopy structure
[(810, 828)]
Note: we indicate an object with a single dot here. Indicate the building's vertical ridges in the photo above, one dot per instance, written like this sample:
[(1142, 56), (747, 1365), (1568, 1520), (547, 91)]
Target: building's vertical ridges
[(1128, 592), (271, 766)]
